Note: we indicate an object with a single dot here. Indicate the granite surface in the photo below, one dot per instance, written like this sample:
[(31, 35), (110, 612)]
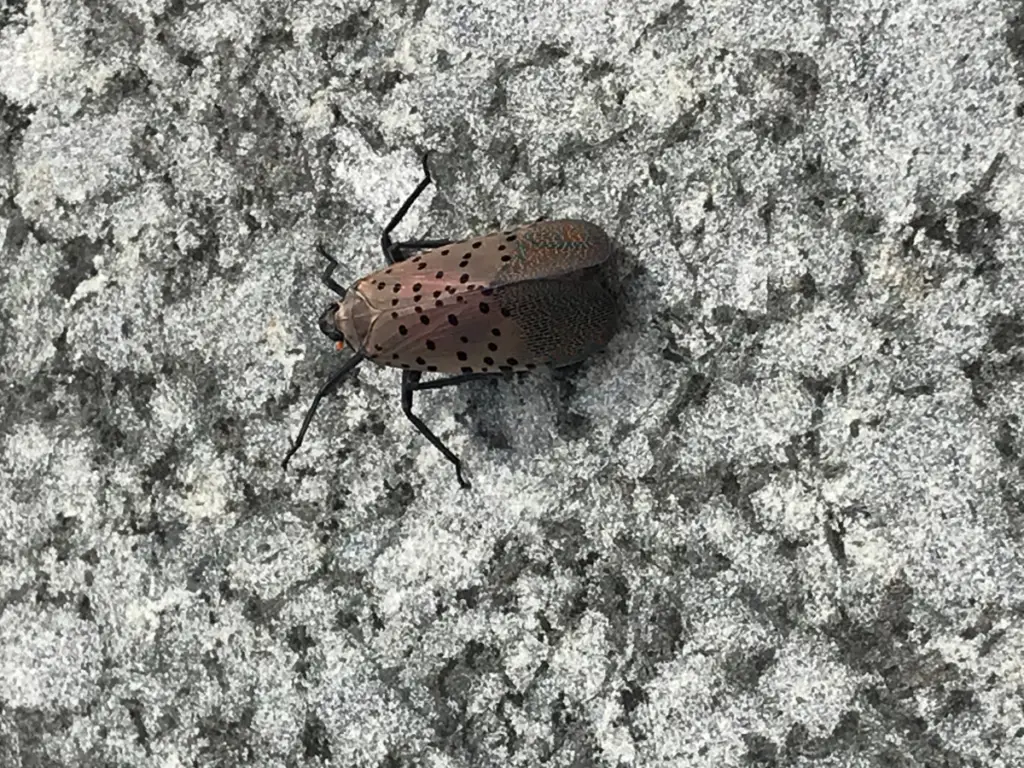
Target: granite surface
[(778, 522)]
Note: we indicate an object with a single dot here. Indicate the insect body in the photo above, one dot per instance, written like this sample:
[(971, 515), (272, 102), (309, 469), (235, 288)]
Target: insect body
[(508, 301)]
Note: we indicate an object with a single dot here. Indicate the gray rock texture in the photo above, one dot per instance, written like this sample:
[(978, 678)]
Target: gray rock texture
[(778, 522)]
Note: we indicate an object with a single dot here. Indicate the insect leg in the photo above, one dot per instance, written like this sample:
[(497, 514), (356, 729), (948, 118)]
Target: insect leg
[(327, 278), (409, 381), (411, 246), (385, 237), (450, 381), (325, 390)]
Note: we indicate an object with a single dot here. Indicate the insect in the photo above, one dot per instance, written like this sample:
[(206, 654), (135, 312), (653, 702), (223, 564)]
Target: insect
[(508, 301)]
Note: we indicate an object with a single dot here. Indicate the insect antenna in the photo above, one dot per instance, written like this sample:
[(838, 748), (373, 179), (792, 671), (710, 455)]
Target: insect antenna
[(325, 390)]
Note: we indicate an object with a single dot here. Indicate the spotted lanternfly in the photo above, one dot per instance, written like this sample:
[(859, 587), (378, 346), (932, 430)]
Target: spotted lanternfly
[(509, 301)]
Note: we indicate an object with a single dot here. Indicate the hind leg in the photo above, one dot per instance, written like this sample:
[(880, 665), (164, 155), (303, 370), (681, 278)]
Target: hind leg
[(410, 380)]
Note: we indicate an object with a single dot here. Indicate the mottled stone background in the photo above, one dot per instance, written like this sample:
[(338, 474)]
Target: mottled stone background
[(779, 522)]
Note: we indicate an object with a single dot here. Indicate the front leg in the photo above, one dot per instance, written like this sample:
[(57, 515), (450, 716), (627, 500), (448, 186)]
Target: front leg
[(328, 276)]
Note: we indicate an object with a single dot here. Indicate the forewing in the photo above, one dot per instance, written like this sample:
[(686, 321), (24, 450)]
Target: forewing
[(463, 307), (435, 311)]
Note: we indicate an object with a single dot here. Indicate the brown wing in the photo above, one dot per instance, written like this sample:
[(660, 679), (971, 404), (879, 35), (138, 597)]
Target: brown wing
[(465, 307), (550, 249)]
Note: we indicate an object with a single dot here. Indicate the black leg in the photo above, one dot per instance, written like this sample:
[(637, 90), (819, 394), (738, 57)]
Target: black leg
[(311, 411), (385, 237), (421, 245), (411, 246), (451, 381), (410, 380), (327, 277)]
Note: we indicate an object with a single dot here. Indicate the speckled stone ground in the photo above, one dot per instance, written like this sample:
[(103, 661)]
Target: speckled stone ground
[(779, 522)]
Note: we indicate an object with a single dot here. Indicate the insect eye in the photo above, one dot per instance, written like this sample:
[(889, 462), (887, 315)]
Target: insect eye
[(327, 326)]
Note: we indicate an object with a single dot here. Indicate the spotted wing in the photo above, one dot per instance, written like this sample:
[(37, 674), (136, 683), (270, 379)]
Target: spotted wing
[(506, 301)]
